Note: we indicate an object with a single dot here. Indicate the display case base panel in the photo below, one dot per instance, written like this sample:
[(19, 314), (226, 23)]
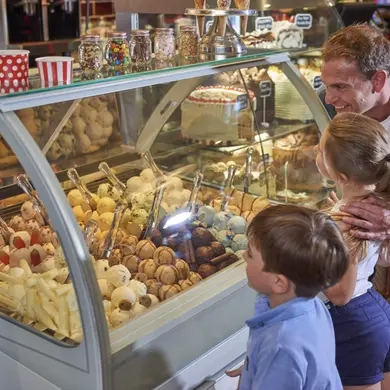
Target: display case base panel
[(164, 356)]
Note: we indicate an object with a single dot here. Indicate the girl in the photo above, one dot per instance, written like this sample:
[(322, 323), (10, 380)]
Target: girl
[(354, 151)]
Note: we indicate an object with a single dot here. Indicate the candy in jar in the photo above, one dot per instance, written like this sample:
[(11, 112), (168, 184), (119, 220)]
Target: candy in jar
[(164, 44), (90, 53), (188, 41), (140, 47), (117, 49)]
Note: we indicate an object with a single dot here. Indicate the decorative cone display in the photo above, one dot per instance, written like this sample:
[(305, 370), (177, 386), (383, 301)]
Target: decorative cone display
[(200, 4), (223, 4), (243, 5)]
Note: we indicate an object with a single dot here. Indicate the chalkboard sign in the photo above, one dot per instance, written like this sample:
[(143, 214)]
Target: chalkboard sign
[(265, 89), (317, 82), (264, 23), (304, 21), (242, 102)]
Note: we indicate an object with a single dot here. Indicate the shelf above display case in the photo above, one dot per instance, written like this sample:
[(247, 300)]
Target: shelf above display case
[(84, 89)]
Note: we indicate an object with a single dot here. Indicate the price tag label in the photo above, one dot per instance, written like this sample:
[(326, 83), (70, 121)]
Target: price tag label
[(265, 89), (242, 102), (264, 23), (317, 82), (304, 21)]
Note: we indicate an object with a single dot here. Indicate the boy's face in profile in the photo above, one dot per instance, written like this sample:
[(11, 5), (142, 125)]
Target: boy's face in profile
[(258, 279)]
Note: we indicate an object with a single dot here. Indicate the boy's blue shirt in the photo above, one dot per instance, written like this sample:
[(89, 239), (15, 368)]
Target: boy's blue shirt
[(290, 347)]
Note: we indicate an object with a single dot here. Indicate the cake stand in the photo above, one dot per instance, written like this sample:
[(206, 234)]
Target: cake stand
[(214, 42)]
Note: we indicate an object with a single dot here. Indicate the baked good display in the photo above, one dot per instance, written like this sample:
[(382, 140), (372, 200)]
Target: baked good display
[(218, 115), (294, 156), (92, 125), (258, 81), (289, 104), (284, 35)]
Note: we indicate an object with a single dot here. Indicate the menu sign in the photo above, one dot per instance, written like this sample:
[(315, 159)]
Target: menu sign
[(304, 21), (264, 23)]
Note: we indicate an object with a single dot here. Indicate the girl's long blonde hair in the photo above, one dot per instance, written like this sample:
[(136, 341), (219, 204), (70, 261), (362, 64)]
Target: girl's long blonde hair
[(359, 148)]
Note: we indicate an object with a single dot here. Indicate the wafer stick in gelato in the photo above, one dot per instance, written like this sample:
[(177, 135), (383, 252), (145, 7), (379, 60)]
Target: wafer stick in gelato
[(243, 5), (223, 5), (200, 4)]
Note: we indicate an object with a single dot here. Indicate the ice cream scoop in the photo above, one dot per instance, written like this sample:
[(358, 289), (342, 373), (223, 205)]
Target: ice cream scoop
[(89, 198)]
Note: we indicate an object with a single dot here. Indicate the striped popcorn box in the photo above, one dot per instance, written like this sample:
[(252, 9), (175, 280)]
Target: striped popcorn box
[(55, 71)]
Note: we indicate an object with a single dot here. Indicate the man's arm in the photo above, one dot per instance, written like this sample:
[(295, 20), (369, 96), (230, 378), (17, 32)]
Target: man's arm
[(372, 215)]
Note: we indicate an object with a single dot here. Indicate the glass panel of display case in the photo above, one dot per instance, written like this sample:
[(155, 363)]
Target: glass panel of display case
[(36, 290)]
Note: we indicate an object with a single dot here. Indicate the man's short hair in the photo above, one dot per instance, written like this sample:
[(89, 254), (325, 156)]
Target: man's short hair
[(361, 44), (305, 246)]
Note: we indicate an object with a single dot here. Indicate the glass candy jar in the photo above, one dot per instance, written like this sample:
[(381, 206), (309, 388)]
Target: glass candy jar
[(90, 53), (117, 49), (188, 41), (164, 44), (140, 47)]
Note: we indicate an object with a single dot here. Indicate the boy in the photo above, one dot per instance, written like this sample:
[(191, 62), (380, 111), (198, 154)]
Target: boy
[(294, 253)]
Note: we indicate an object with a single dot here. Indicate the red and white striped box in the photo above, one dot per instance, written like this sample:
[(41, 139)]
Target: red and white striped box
[(55, 71), (13, 71)]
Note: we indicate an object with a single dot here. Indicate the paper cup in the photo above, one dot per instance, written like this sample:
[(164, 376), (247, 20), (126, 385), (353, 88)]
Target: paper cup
[(55, 71), (13, 71)]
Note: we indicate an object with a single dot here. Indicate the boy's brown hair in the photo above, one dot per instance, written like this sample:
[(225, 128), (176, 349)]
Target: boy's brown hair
[(361, 44), (305, 246)]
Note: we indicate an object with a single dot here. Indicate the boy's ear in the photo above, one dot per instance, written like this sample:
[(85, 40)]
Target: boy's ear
[(281, 284)]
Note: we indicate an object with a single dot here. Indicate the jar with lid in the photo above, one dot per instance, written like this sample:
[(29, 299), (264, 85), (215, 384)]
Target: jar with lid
[(90, 53), (140, 47), (164, 44), (188, 41), (117, 49)]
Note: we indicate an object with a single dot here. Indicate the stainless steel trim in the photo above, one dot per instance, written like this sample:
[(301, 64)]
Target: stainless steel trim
[(95, 331), (83, 90)]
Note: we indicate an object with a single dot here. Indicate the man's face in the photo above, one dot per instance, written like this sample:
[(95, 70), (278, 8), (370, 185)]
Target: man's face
[(347, 89)]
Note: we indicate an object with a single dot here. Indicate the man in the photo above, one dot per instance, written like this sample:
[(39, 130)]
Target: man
[(356, 78)]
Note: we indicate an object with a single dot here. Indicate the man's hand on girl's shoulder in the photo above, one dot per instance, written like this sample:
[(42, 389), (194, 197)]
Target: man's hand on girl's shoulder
[(372, 215)]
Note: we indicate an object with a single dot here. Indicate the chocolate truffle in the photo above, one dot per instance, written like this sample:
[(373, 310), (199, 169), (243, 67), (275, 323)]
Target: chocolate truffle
[(148, 267), (194, 277), (206, 270), (131, 263), (201, 237), (168, 291), (115, 257), (164, 255), (204, 254), (145, 249), (153, 286), (218, 248), (141, 277), (167, 274), (183, 269), (185, 284)]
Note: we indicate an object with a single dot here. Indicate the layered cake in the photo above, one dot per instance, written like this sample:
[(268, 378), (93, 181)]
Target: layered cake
[(284, 35), (258, 81), (218, 115), (297, 150), (289, 104)]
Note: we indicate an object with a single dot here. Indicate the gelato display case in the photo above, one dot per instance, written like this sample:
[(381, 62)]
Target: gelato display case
[(124, 203)]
